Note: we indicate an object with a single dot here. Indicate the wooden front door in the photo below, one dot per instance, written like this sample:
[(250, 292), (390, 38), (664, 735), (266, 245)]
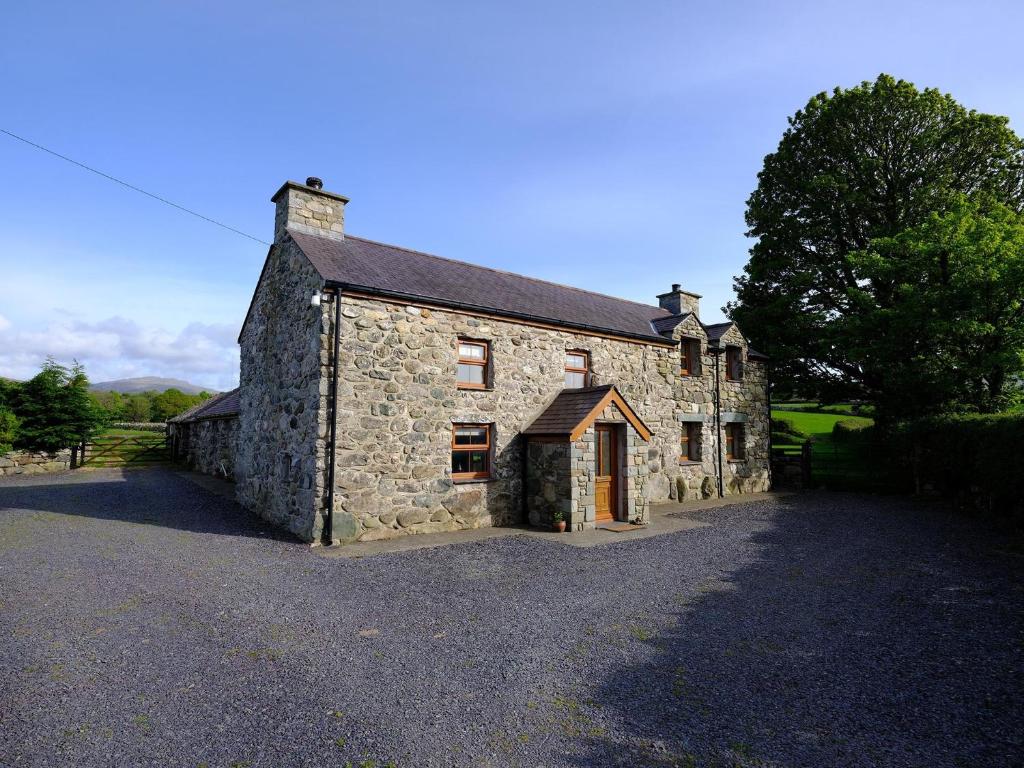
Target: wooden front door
[(606, 492)]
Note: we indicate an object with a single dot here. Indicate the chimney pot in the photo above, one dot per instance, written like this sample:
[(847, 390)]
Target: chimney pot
[(676, 287), (314, 182)]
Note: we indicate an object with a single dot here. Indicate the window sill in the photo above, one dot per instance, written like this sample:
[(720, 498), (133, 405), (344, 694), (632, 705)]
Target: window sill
[(472, 480), (690, 462), (737, 461), (463, 388)]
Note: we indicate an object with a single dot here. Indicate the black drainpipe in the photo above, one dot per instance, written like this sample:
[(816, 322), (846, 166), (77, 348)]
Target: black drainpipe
[(717, 352), (768, 399), (333, 446)]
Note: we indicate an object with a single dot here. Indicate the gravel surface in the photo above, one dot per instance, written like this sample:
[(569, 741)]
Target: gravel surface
[(145, 621)]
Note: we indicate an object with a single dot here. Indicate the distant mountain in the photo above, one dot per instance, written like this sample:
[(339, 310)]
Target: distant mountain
[(148, 384)]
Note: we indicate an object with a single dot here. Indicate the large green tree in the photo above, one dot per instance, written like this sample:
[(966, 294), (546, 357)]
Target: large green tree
[(948, 333), (855, 167), (54, 408)]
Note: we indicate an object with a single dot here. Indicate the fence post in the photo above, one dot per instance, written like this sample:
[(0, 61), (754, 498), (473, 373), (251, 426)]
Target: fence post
[(805, 464)]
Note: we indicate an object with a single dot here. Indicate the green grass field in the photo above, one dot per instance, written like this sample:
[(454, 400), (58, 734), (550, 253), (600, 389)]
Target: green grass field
[(817, 425)]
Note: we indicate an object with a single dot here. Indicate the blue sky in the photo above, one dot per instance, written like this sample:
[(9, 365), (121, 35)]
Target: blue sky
[(610, 146)]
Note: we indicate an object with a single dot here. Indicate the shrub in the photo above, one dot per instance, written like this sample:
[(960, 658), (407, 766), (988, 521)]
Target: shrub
[(848, 430), (786, 438), (974, 460), (8, 429)]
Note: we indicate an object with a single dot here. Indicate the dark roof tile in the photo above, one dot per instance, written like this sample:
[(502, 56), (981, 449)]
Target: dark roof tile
[(668, 324), (717, 330), (387, 269), (567, 410), (217, 407)]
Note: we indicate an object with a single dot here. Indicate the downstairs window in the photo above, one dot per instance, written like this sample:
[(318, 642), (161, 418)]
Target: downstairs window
[(471, 451)]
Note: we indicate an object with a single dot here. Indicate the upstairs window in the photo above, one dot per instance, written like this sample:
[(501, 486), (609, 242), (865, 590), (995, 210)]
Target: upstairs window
[(735, 439), (690, 442), (577, 369), (733, 363), (474, 362), (471, 451), (690, 357)]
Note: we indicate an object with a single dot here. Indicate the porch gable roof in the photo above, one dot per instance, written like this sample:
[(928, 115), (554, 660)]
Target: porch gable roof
[(574, 410)]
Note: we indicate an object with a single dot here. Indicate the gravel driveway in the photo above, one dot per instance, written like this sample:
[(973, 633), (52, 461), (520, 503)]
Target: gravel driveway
[(145, 621)]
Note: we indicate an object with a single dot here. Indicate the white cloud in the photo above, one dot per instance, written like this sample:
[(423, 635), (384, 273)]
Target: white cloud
[(205, 354)]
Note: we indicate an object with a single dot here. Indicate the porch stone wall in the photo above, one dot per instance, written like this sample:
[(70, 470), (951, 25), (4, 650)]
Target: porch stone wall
[(549, 481)]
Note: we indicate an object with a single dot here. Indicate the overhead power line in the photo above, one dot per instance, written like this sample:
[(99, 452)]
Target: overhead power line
[(133, 187)]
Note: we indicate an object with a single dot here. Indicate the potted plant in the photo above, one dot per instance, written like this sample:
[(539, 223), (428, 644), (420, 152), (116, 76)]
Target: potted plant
[(558, 520)]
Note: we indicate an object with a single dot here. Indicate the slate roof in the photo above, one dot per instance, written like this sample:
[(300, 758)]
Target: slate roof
[(668, 324), (717, 330), (567, 410), (572, 406), (219, 406), (372, 267)]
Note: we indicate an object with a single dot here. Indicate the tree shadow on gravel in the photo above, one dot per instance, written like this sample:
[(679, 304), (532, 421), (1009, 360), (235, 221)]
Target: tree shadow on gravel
[(143, 496), (857, 632)]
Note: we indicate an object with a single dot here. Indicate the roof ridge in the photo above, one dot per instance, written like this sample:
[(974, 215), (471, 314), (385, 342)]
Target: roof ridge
[(506, 272)]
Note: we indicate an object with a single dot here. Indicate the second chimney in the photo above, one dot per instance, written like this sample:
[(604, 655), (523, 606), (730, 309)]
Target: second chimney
[(677, 301), (308, 208)]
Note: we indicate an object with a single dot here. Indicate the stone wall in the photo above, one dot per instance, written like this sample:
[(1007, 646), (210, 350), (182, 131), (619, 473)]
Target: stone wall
[(549, 481), (398, 400), (34, 462), (207, 445), (284, 379), (695, 403)]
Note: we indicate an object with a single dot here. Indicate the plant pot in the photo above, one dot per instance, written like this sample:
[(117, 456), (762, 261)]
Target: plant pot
[(560, 526)]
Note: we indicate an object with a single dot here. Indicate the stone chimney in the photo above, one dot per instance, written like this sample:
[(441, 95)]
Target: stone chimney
[(308, 208), (677, 301)]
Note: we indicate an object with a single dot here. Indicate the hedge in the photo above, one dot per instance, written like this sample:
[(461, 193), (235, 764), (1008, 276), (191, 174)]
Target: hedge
[(787, 438), (847, 430), (975, 461)]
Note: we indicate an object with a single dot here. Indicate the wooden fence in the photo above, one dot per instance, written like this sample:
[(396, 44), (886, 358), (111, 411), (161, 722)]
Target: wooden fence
[(124, 451)]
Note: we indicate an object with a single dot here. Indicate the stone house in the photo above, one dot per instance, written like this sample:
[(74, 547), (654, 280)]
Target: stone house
[(385, 391)]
